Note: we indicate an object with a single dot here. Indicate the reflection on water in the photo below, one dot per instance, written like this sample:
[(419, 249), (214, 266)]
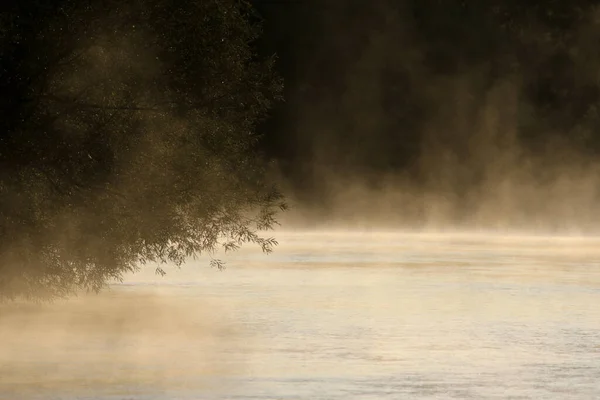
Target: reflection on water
[(328, 316)]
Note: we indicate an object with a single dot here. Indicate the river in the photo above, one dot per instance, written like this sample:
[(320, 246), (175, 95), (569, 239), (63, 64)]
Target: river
[(328, 315)]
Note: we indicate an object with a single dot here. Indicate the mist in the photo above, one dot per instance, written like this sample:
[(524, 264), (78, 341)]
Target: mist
[(440, 158), (400, 127), (122, 341)]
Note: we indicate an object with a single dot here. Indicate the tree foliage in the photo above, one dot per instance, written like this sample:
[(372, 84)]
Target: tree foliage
[(128, 136)]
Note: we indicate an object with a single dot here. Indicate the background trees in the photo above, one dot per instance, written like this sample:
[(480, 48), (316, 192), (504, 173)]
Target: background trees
[(441, 99), (128, 135)]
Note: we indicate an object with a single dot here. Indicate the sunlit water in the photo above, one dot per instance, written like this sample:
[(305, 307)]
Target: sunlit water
[(328, 316)]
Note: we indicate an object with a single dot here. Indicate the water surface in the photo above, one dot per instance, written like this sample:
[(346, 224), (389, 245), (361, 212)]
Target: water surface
[(329, 315)]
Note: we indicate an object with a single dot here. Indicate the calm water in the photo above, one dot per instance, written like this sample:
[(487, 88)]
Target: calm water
[(328, 316)]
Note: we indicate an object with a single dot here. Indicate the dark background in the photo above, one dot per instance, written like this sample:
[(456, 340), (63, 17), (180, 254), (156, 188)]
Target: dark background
[(365, 78)]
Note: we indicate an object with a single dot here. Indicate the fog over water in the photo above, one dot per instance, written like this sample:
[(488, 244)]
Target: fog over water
[(330, 314), (444, 237), (472, 171), (436, 115)]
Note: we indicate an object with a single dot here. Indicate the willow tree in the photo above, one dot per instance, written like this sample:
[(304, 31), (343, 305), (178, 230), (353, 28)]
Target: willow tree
[(128, 136)]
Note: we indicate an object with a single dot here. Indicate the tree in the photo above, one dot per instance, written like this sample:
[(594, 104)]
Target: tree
[(128, 136)]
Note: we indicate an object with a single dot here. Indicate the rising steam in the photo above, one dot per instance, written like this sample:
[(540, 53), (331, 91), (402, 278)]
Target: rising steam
[(457, 152)]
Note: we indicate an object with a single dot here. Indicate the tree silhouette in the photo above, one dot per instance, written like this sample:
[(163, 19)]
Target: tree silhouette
[(128, 136)]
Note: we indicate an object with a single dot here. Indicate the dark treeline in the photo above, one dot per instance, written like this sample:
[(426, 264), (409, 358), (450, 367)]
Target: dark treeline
[(365, 79)]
